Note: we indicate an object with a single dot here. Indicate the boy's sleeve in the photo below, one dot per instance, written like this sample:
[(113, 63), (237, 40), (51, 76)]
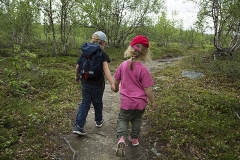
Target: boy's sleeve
[(105, 57)]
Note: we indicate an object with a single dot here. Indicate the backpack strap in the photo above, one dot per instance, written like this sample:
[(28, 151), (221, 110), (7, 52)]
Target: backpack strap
[(87, 67)]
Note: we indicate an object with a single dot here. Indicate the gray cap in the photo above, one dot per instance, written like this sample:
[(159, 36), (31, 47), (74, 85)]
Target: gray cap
[(99, 35)]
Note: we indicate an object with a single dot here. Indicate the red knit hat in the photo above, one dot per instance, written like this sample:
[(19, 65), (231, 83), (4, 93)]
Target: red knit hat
[(140, 39)]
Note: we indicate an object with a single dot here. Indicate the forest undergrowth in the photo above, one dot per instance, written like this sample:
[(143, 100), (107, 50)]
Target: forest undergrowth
[(195, 118)]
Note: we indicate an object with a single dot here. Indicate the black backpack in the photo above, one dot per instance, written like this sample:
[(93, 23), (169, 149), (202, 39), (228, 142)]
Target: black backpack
[(90, 65)]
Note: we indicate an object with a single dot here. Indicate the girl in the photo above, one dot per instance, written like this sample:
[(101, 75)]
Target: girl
[(135, 90)]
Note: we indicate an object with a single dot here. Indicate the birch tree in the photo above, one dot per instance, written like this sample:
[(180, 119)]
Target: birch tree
[(225, 18), (21, 16), (164, 30), (118, 18), (49, 17)]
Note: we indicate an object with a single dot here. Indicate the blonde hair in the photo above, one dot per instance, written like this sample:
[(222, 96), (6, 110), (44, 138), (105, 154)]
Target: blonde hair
[(143, 53)]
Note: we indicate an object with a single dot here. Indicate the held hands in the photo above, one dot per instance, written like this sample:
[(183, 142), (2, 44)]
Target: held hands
[(116, 85), (113, 88)]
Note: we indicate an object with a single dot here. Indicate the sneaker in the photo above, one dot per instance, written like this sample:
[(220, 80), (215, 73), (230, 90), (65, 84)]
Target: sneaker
[(121, 147), (134, 141), (78, 130), (99, 123)]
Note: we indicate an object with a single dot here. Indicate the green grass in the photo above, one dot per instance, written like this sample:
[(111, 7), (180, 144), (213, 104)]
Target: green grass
[(195, 117), (34, 105), (194, 120)]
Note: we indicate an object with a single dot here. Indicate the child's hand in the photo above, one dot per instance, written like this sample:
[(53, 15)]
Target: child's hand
[(153, 105), (116, 90), (113, 88), (77, 79)]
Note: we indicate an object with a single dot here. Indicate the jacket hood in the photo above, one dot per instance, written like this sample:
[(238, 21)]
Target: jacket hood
[(89, 48)]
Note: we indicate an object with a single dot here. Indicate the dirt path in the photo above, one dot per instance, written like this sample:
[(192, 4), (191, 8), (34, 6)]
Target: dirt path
[(101, 143)]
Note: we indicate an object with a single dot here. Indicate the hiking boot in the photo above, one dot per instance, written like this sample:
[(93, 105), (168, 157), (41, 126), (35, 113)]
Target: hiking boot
[(134, 141), (78, 130), (99, 123), (121, 147)]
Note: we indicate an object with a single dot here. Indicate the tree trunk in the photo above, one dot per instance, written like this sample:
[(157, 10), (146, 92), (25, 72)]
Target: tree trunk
[(50, 16)]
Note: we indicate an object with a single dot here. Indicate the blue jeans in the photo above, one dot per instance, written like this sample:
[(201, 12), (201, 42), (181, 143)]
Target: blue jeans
[(90, 94)]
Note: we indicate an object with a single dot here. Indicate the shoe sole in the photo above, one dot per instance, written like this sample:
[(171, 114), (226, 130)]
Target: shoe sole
[(79, 133), (99, 125), (135, 144), (120, 149)]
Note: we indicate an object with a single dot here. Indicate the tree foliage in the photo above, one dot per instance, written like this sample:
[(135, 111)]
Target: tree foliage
[(164, 30), (225, 19), (118, 18), (21, 17), (60, 26)]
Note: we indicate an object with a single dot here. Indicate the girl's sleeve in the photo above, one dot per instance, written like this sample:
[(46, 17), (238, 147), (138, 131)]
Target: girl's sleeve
[(117, 74), (147, 80)]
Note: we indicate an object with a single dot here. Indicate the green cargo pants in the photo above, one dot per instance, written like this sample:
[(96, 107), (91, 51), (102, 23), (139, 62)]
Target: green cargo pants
[(126, 116)]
